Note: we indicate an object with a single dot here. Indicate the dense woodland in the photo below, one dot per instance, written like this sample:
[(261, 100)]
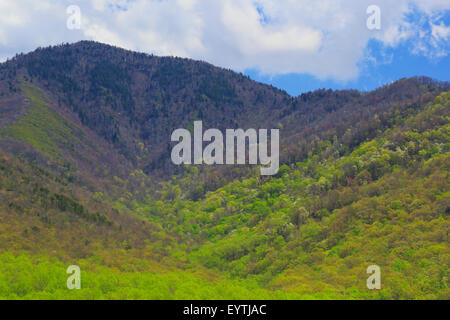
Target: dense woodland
[(86, 179)]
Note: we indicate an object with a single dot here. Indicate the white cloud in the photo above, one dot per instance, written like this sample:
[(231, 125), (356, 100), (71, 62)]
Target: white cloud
[(440, 31), (326, 38)]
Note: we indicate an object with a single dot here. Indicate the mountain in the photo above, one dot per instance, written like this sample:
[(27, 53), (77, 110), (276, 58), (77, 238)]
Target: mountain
[(86, 178)]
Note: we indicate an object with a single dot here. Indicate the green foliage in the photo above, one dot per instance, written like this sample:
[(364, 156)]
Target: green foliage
[(38, 277), (42, 127), (325, 222), (364, 180)]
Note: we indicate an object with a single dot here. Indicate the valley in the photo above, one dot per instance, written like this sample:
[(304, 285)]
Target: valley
[(86, 179)]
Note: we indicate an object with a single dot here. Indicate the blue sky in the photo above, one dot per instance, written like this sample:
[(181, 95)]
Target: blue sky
[(402, 64), (296, 45)]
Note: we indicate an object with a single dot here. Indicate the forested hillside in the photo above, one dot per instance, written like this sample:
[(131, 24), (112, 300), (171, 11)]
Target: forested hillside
[(86, 179)]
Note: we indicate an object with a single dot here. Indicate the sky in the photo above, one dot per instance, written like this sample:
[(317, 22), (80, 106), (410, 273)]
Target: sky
[(296, 45)]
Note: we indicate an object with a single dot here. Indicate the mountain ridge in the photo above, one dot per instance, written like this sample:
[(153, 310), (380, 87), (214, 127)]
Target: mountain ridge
[(86, 178), (132, 104)]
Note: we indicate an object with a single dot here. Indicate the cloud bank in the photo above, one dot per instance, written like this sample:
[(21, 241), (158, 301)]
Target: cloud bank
[(324, 38)]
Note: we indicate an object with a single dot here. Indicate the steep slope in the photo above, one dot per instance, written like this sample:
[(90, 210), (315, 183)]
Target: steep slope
[(127, 97), (85, 177), (134, 101), (320, 224), (310, 233)]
